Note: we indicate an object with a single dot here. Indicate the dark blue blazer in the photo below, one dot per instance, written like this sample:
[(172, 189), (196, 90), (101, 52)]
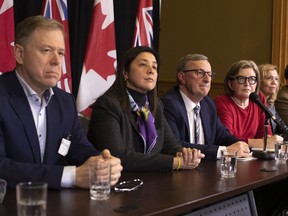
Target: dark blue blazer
[(215, 133), (20, 158)]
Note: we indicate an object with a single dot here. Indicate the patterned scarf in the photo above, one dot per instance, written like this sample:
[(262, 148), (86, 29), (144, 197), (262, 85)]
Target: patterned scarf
[(145, 122)]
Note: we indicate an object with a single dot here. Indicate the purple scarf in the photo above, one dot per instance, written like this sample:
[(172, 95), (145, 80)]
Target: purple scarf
[(145, 122)]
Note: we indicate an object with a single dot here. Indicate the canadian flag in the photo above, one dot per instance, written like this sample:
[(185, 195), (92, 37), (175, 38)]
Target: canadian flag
[(7, 59), (98, 71), (57, 9), (143, 35)]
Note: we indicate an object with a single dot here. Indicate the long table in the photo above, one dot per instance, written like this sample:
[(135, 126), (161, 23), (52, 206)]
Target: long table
[(163, 193)]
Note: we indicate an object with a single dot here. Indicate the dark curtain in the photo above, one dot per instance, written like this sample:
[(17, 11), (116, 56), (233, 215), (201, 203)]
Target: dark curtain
[(80, 12)]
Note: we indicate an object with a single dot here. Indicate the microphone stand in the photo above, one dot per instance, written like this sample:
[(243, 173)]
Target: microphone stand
[(266, 155), (265, 133)]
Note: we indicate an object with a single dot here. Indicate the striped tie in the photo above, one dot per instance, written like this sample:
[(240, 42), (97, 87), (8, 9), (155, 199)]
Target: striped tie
[(197, 123)]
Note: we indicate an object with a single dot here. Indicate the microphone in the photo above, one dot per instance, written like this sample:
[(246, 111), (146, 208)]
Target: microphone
[(254, 97)]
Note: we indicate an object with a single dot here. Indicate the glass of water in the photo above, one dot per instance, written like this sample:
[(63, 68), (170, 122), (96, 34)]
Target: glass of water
[(281, 152), (31, 198), (100, 177), (228, 163)]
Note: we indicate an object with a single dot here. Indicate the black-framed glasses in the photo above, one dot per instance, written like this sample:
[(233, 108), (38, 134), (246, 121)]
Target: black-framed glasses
[(242, 79), (201, 73)]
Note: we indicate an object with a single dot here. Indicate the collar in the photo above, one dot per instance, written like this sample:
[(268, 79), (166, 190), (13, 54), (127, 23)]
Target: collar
[(29, 92), (190, 105)]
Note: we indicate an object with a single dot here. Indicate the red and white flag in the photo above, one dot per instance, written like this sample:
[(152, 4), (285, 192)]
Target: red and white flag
[(143, 35), (98, 72), (7, 59), (57, 9)]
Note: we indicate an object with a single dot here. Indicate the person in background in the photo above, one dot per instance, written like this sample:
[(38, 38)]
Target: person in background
[(40, 135), (193, 76), (244, 118), (281, 103), (269, 86), (129, 120)]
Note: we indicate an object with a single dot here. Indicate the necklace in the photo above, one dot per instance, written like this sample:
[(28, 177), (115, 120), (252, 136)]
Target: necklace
[(240, 105)]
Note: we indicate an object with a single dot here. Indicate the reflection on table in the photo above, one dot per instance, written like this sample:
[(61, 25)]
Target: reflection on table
[(163, 193)]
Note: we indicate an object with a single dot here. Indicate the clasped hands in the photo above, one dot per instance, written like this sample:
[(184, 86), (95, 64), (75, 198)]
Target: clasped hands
[(188, 158), (82, 172)]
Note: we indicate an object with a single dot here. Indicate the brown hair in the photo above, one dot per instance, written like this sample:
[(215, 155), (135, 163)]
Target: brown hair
[(234, 70), (181, 66), (26, 27)]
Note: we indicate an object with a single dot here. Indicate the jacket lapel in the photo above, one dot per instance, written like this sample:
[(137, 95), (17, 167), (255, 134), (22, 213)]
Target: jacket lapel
[(204, 113), (52, 142), (131, 117), (183, 111), (20, 105)]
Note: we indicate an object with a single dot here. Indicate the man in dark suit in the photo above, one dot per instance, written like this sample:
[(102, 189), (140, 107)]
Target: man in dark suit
[(40, 135), (194, 77)]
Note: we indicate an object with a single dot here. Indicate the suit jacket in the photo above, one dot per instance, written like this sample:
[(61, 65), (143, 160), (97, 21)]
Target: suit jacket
[(20, 158), (280, 127), (281, 103), (215, 133), (110, 127)]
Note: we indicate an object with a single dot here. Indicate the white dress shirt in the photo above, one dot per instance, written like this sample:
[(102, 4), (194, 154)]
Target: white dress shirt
[(38, 108), (190, 113), (190, 105)]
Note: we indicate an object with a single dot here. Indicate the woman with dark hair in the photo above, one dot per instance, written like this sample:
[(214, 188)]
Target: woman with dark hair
[(129, 120)]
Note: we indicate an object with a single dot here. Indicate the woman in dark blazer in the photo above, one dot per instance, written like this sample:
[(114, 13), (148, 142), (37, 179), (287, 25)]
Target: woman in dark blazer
[(129, 120)]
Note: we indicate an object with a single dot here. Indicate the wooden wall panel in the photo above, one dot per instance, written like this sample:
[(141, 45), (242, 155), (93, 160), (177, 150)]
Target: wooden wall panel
[(280, 35)]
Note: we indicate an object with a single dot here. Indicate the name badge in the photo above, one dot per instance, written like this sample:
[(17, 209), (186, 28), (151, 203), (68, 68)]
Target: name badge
[(64, 147)]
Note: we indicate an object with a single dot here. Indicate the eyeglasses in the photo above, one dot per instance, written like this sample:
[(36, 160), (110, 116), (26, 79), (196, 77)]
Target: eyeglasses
[(129, 185), (201, 73), (242, 79)]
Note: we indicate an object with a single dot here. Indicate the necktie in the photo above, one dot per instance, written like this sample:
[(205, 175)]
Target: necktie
[(197, 123)]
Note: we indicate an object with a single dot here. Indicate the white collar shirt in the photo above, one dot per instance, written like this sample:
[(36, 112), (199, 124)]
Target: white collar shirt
[(38, 109), (37, 106), (190, 105)]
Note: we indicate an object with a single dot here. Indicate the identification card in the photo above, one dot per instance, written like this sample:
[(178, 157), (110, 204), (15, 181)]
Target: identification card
[(64, 147)]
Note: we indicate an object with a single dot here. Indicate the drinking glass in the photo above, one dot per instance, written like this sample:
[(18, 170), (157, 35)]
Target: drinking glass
[(228, 163), (100, 176), (31, 198)]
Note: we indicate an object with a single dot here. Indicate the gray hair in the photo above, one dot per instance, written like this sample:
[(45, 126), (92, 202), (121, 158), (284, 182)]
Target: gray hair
[(26, 27), (181, 66), (234, 71)]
